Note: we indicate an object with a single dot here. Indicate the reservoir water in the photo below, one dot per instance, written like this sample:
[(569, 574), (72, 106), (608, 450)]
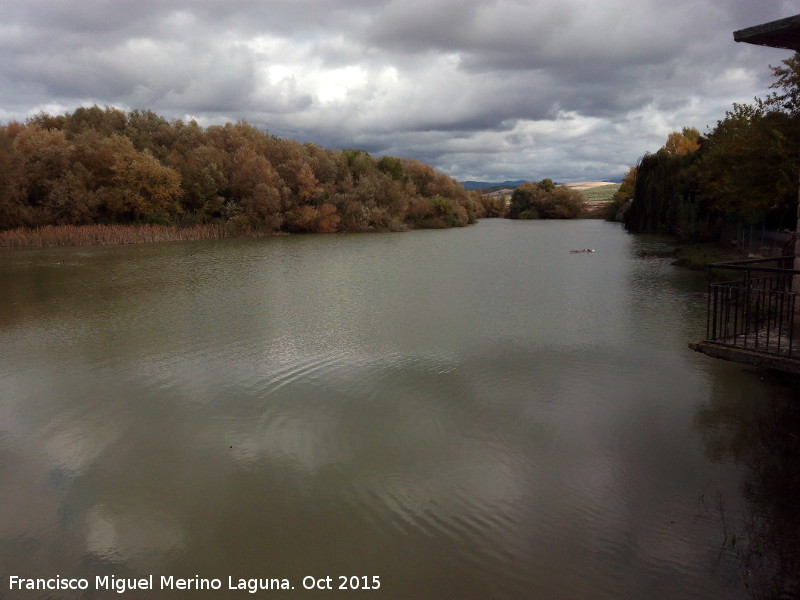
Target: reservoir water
[(472, 413)]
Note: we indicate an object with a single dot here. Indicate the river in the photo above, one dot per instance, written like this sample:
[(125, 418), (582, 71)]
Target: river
[(471, 413)]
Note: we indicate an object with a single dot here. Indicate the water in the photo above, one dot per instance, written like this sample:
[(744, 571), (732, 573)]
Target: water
[(471, 413)]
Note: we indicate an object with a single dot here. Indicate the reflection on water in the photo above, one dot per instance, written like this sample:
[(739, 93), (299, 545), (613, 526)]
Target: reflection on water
[(468, 413), (765, 437)]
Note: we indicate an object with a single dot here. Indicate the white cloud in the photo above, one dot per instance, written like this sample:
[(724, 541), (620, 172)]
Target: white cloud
[(489, 89)]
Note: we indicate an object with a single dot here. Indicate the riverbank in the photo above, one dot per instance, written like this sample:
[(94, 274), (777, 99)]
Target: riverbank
[(697, 255), (103, 235)]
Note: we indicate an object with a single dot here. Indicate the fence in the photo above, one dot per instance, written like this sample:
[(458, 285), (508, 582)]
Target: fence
[(758, 311)]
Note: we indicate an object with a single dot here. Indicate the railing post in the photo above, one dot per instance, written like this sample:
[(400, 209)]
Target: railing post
[(796, 276), (709, 317)]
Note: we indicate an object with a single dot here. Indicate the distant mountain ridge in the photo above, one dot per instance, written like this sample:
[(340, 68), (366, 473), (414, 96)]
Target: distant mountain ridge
[(487, 185), (477, 185)]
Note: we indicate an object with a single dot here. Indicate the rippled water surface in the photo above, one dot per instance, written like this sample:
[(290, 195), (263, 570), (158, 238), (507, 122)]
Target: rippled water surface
[(472, 413)]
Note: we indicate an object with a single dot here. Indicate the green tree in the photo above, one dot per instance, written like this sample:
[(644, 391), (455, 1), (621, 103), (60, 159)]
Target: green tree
[(545, 200), (665, 192), (749, 167), (788, 82), (393, 167)]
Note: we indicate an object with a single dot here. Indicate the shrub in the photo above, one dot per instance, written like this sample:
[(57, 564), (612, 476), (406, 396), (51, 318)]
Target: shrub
[(545, 200)]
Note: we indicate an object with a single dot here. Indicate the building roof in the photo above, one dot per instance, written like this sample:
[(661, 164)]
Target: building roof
[(783, 33)]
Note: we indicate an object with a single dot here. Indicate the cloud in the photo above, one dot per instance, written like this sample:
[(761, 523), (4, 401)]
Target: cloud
[(481, 89)]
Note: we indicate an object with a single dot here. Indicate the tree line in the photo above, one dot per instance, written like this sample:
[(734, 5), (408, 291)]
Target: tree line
[(536, 200), (108, 166), (741, 173), (545, 200)]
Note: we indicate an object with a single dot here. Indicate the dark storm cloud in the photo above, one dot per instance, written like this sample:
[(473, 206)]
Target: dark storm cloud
[(483, 89)]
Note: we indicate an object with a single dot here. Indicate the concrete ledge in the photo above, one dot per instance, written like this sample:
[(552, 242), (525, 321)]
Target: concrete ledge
[(747, 357)]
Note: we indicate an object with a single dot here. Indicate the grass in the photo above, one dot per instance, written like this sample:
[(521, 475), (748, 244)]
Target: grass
[(597, 198), (601, 193), (98, 235), (696, 256)]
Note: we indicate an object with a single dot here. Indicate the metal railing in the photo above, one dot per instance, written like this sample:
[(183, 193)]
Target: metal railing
[(758, 312)]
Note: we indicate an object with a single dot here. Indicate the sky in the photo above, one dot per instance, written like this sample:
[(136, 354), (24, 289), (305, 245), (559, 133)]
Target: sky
[(486, 90)]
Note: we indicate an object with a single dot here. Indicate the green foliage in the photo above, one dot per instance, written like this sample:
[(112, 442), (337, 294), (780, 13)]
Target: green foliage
[(545, 200), (546, 185), (103, 165), (743, 172), (750, 163), (665, 195), (788, 82), (360, 162), (393, 167)]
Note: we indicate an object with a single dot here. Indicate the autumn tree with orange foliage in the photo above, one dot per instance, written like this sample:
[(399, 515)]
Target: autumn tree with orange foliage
[(682, 142), (103, 166)]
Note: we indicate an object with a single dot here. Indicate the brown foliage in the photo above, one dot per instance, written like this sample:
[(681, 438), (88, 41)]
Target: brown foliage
[(310, 219), (544, 200), (262, 207), (103, 165), (98, 235), (683, 142)]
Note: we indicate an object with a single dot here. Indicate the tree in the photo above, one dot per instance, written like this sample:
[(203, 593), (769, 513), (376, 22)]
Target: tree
[(45, 158), (311, 219), (145, 189), (683, 142), (788, 82), (545, 200), (204, 178), (664, 195), (749, 166), (393, 167), (262, 208), (13, 208), (622, 196), (106, 121), (100, 165)]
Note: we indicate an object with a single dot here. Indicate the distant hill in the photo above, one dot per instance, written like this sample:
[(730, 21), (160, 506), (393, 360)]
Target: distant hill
[(479, 185), (487, 186)]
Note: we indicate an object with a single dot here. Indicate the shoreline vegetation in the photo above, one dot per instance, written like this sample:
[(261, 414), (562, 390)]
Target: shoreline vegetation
[(106, 176), (734, 186), (49, 236), (595, 196), (103, 176)]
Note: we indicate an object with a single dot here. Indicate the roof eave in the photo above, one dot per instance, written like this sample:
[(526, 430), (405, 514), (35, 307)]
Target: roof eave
[(783, 33)]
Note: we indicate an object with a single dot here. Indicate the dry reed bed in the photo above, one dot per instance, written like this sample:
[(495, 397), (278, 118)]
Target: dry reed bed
[(97, 235)]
